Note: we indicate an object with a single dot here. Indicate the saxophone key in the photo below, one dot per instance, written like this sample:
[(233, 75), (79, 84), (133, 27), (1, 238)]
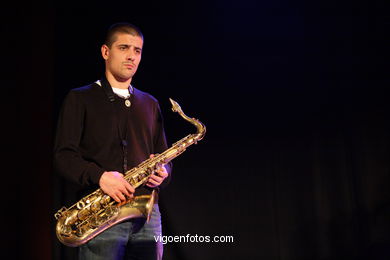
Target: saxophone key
[(83, 214), (105, 200), (66, 230), (60, 213), (92, 198), (103, 217), (95, 206), (80, 204), (111, 211), (94, 222), (135, 179), (71, 218), (81, 230)]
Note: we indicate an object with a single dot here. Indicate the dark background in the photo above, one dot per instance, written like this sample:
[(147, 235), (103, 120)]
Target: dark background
[(295, 163)]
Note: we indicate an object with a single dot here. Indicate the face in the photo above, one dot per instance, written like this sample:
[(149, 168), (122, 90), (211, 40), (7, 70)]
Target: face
[(124, 56)]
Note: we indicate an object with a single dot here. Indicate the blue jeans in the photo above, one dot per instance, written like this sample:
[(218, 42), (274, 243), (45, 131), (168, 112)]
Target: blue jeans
[(132, 239)]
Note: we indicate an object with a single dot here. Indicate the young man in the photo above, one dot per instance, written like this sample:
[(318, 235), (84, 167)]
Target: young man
[(105, 129)]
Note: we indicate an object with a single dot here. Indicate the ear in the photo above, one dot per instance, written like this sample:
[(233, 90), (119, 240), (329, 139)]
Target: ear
[(105, 51)]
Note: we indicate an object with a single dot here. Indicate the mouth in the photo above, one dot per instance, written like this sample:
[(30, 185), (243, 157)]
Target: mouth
[(129, 65)]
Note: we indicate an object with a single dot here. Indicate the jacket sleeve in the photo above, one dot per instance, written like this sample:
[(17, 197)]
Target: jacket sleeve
[(160, 144), (68, 160)]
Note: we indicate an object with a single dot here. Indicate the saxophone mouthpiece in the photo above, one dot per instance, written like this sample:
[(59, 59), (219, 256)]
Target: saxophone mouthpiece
[(175, 106)]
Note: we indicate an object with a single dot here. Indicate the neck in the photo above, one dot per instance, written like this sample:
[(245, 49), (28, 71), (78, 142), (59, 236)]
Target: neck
[(118, 83)]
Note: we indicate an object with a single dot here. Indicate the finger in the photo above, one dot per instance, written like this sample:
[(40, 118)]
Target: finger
[(113, 196), (151, 185), (154, 182), (156, 178), (124, 191), (121, 197), (163, 168), (163, 173), (129, 187), (116, 198), (128, 193)]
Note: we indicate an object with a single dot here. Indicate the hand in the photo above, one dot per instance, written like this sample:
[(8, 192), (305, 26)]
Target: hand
[(157, 177), (115, 186)]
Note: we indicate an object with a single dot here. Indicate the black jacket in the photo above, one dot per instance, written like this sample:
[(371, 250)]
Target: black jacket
[(91, 126)]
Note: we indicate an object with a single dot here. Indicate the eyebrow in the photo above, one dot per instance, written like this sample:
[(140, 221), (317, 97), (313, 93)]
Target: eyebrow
[(128, 46)]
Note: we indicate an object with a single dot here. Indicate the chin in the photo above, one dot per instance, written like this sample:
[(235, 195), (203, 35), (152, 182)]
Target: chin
[(125, 77)]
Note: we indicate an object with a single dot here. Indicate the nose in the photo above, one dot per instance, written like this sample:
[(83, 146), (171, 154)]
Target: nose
[(131, 55)]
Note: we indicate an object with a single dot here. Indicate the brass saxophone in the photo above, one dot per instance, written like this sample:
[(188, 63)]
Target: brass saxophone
[(97, 212)]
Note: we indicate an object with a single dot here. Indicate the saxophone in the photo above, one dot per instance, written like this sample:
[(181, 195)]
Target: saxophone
[(97, 212)]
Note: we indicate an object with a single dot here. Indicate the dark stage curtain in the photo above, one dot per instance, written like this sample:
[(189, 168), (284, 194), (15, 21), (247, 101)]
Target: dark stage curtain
[(26, 106)]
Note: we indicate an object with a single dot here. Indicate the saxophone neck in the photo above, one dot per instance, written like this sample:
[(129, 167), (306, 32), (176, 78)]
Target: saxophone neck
[(201, 128)]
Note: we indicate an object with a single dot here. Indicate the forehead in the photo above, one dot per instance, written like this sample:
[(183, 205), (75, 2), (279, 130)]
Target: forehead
[(124, 38)]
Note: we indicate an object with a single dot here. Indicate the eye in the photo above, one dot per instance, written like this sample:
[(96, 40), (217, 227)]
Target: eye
[(138, 51)]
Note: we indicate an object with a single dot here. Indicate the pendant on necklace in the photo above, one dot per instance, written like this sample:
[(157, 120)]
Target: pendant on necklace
[(127, 103)]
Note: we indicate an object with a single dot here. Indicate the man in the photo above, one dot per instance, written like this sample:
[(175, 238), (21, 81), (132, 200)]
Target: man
[(105, 129)]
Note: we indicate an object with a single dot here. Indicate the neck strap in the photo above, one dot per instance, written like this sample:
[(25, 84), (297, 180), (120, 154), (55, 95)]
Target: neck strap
[(122, 136)]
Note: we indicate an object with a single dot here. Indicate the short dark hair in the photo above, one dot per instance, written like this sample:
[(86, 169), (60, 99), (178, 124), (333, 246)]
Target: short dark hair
[(127, 28)]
